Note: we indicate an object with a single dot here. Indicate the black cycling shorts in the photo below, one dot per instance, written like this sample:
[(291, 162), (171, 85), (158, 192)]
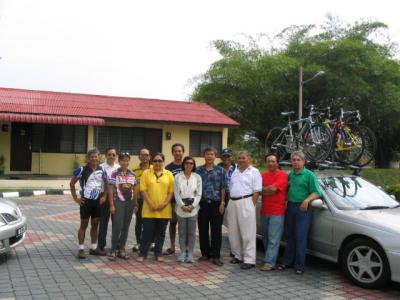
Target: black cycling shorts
[(90, 209)]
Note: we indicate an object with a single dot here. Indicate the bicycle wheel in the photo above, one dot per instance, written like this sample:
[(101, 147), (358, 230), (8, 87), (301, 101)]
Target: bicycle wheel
[(349, 144), (316, 143), (370, 147), (276, 142)]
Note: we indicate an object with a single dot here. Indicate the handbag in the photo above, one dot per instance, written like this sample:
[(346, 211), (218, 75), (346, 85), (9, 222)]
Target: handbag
[(188, 201)]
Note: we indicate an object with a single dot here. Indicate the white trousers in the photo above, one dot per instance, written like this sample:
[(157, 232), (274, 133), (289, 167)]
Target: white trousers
[(241, 217)]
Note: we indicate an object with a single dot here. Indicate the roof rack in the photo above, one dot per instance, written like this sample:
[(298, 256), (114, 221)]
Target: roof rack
[(328, 165)]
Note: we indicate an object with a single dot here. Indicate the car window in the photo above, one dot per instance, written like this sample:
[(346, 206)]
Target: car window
[(350, 192)]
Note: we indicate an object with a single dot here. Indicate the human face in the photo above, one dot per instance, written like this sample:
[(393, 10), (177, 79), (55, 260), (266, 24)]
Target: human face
[(188, 165), (177, 152), (243, 161), (111, 155), (297, 163), (226, 160), (94, 160), (124, 163), (158, 163), (271, 163), (209, 157), (144, 156)]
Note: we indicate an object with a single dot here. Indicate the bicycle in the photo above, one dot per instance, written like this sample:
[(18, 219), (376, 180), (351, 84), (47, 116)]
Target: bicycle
[(312, 138), (347, 138), (370, 141)]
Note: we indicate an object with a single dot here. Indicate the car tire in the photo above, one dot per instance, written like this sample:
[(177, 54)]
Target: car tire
[(365, 263)]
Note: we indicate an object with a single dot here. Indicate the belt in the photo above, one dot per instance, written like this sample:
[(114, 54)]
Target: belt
[(239, 198), (209, 200)]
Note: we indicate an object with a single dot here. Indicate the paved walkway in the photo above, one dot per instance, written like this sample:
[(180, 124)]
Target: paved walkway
[(45, 267)]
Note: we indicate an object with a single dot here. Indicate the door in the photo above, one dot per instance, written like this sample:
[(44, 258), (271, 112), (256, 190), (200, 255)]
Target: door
[(320, 238), (21, 149)]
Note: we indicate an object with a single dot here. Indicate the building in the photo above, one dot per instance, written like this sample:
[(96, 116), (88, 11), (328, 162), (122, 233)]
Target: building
[(44, 132)]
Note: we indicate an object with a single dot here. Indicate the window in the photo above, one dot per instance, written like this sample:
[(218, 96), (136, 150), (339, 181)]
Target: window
[(59, 138), (199, 140), (130, 139)]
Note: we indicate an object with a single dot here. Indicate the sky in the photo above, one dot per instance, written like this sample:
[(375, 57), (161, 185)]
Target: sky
[(147, 49)]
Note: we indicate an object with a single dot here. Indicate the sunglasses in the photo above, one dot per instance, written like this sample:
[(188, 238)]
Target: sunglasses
[(157, 161)]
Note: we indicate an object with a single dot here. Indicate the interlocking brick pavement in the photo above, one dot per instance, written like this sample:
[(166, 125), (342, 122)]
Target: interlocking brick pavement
[(46, 267)]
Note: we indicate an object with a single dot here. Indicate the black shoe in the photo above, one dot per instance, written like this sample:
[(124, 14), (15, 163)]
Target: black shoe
[(235, 261), (282, 267), (94, 251), (231, 254), (169, 251), (217, 262), (203, 258), (245, 266), (152, 247), (102, 252)]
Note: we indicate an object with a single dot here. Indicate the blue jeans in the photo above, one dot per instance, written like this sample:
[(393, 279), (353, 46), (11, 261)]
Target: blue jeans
[(296, 232), (272, 229)]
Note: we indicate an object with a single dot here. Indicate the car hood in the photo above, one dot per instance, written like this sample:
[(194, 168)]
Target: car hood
[(384, 219), (7, 206)]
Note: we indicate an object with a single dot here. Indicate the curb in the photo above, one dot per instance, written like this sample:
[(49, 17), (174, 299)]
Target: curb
[(33, 193)]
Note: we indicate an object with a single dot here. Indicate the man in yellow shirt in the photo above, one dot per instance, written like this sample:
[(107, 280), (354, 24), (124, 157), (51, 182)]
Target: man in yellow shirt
[(156, 187), (144, 157)]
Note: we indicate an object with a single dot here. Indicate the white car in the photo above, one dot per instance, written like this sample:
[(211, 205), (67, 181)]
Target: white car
[(356, 225), (12, 226)]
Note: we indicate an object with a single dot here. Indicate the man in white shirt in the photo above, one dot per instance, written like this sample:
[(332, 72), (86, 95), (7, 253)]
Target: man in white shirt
[(108, 166), (245, 187)]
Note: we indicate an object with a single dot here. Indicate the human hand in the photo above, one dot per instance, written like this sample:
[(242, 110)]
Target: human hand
[(102, 200), (112, 209), (135, 209), (80, 201), (304, 205), (222, 208)]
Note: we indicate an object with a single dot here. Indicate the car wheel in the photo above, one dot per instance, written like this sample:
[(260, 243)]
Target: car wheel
[(365, 263)]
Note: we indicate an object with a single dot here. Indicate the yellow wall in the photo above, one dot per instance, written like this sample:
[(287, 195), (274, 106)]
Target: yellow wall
[(63, 164), (5, 146)]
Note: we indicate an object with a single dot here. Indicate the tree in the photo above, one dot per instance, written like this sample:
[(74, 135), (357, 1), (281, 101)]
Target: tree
[(253, 84)]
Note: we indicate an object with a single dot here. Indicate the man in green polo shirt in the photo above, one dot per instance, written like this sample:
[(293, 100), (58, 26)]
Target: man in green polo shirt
[(303, 189)]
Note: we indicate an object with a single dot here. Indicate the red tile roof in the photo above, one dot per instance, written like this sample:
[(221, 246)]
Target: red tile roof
[(69, 104)]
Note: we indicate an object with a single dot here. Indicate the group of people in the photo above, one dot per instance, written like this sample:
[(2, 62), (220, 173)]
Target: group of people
[(190, 197)]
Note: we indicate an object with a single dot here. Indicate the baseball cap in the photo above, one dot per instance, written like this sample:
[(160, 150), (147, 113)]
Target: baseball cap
[(226, 152)]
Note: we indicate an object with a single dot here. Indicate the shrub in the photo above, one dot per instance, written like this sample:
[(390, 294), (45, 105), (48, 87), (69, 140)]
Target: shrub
[(393, 189)]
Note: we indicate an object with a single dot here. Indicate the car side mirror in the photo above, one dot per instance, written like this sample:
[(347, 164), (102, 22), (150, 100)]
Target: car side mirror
[(318, 203)]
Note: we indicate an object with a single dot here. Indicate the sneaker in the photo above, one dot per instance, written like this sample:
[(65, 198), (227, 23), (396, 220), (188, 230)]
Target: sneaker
[(94, 251), (181, 258), (189, 259), (135, 248), (81, 254), (266, 267), (299, 272), (152, 247)]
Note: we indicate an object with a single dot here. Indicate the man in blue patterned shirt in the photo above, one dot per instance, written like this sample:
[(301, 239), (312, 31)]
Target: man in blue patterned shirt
[(212, 207)]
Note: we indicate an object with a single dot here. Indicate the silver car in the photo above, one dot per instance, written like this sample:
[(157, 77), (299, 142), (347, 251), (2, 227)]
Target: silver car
[(357, 225), (12, 226)]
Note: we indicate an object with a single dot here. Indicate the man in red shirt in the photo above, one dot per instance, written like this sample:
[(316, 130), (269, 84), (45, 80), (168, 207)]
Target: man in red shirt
[(275, 184)]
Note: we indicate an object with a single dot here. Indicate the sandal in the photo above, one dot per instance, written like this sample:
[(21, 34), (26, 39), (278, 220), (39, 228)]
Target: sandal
[(112, 256), (169, 251), (159, 259), (122, 254)]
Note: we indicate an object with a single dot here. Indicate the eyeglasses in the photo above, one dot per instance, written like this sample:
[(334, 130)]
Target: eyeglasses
[(157, 160)]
